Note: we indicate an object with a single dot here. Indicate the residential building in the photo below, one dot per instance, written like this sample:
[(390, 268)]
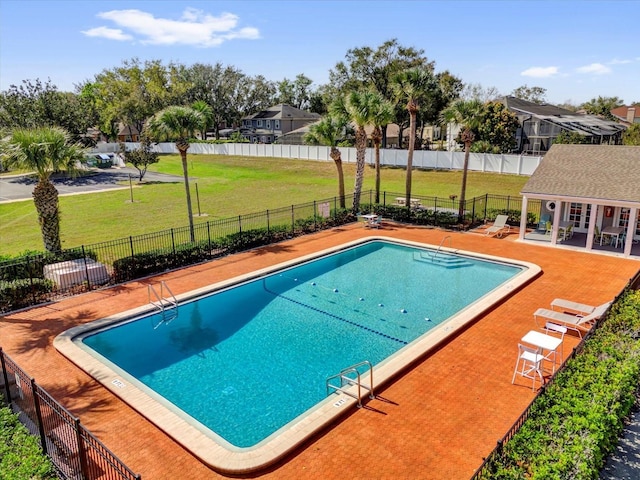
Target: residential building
[(627, 115), (269, 125), (542, 123)]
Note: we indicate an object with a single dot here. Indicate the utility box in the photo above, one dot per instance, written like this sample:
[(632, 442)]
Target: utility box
[(76, 272)]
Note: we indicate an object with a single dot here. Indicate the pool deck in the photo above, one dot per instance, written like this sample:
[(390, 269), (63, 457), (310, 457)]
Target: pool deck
[(437, 420)]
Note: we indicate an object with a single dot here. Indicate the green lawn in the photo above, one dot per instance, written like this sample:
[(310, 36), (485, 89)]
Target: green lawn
[(227, 186)]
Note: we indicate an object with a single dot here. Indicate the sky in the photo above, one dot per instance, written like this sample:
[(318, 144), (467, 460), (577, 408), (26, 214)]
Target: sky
[(576, 50)]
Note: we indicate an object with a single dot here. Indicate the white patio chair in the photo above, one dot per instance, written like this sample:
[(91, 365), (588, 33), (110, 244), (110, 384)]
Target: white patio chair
[(528, 365), (556, 331)]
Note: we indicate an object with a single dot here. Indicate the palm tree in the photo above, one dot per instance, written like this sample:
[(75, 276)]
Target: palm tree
[(45, 150), (383, 114), (467, 114), (359, 109), (207, 116), (329, 131), (179, 123), (414, 86)]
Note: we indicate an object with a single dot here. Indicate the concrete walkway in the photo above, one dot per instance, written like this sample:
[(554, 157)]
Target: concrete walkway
[(624, 463)]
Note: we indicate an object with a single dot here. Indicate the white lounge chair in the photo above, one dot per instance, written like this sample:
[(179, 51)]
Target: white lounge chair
[(499, 227), (579, 323), (562, 305)]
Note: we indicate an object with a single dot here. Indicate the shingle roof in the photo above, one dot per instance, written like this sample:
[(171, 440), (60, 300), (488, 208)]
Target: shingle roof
[(285, 112), (606, 172), (525, 106)]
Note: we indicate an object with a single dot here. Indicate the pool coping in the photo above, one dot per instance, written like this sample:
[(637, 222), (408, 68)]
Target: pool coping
[(244, 460)]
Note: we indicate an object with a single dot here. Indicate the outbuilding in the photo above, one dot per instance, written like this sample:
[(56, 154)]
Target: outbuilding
[(590, 191)]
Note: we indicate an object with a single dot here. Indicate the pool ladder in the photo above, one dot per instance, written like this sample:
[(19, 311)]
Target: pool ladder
[(159, 301), (346, 381)]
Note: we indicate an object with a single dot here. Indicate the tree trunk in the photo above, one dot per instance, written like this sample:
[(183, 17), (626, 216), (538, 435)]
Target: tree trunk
[(183, 156), (412, 141), (377, 139), (467, 137), (45, 197), (337, 158), (463, 189), (361, 150)]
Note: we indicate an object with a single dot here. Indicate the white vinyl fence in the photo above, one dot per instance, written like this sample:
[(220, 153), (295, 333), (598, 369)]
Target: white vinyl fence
[(428, 159)]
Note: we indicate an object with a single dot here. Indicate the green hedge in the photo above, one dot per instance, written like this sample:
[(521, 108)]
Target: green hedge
[(22, 292), (20, 454), (577, 421)]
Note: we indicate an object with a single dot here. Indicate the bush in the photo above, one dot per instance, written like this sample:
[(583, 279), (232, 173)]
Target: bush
[(20, 453), (576, 422), (514, 216), (148, 263), (24, 292)]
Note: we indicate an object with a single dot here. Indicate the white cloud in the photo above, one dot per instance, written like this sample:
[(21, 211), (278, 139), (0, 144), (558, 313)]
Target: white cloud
[(540, 72), (109, 33), (595, 68), (617, 61), (195, 27)]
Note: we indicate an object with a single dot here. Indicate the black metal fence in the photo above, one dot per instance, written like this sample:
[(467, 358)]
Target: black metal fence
[(73, 450), (37, 279), (487, 465)]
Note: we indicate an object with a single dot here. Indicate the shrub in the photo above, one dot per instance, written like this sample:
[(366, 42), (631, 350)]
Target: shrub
[(148, 263), (514, 215), (20, 453), (24, 292)]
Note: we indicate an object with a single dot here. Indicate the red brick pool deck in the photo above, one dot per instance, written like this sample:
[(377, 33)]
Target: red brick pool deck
[(437, 420)]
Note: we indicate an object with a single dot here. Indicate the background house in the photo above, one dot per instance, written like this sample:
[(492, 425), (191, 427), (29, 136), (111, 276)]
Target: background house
[(627, 115), (269, 125), (541, 124)]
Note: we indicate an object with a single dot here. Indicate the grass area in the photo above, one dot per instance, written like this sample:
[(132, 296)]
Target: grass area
[(227, 186)]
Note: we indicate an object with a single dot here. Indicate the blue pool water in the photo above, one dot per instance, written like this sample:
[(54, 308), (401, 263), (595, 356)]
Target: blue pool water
[(247, 360)]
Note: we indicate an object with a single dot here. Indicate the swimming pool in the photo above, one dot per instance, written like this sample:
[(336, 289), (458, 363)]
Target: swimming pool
[(249, 364)]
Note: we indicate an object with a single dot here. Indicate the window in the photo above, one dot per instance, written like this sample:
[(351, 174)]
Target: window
[(623, 221), (268, 123), (259, 123), (276, 124)]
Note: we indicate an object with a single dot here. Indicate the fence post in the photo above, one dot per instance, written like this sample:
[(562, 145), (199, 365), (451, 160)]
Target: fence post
[(268, 224), (486, 200), (81, 451), (173, 243), (209, 235), (33, 292), (36, 404), (293, 220), (131, 245), (315, 216), (7, 390), (239, 223), (86, 269)]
